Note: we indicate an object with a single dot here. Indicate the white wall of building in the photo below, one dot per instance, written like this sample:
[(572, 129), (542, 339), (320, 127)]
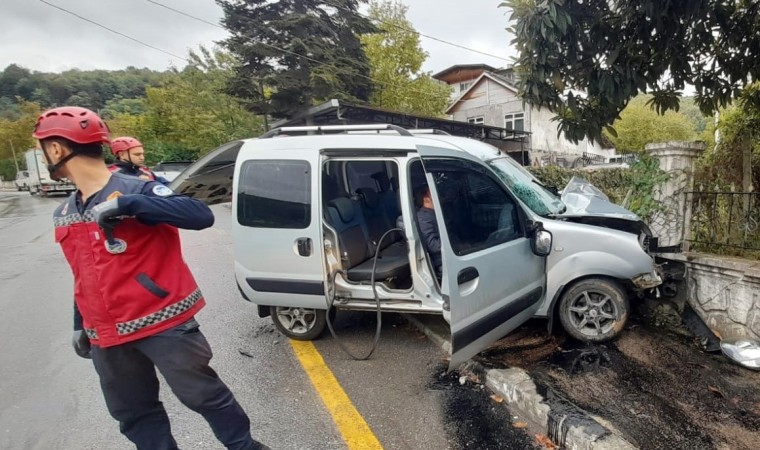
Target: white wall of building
[(490, 101), (544, 136)]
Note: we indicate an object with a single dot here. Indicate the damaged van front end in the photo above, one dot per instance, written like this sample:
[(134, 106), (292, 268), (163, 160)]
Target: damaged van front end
[(602, 255)]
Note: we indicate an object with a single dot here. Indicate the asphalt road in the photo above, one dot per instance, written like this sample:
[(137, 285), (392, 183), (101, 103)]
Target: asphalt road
[(50, 398)]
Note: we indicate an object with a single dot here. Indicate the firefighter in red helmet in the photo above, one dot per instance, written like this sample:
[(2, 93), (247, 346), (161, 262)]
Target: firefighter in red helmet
[(135, 298), (130, 159)]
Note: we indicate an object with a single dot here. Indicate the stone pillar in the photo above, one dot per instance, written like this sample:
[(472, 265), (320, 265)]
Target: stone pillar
[(677, 159)]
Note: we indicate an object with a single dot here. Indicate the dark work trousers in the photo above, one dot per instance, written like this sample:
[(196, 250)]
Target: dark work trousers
[(130, 386)]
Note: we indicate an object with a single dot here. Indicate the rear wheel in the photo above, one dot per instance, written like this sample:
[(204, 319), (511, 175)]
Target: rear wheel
[(301, 324), (594, 310)]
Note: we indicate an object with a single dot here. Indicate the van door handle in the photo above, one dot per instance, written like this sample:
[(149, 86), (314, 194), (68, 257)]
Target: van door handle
[(304, 246), (466, 275)]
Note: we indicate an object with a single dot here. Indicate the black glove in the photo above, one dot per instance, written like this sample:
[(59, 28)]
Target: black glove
[(107, 214), (81, 344)]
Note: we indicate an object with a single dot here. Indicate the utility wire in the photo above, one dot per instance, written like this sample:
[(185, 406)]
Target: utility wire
[(412, 30), (339, 69), (114, 31)]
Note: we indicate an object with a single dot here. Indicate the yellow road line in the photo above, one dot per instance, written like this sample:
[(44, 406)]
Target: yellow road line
[(355, 431)]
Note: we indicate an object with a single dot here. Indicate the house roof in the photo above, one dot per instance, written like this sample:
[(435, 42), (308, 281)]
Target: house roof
[(462, 68), (336, 112), (491, 76)]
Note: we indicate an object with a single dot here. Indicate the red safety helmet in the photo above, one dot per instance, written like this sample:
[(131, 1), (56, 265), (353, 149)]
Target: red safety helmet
[(124, 143), (76, 124)]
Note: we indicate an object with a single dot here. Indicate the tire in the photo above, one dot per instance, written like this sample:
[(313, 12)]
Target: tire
[(300, 324), (594, 310)]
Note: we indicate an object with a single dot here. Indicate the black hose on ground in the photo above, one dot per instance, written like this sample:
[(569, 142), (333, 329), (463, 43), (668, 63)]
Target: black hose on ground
[(331, 300)]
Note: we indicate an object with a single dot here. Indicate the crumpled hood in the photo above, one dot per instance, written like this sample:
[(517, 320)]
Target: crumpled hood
[(584, 199), (587, 204)]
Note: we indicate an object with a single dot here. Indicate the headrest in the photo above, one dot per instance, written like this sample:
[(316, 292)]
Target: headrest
[(369, 197), (382, 180), (345, 208)]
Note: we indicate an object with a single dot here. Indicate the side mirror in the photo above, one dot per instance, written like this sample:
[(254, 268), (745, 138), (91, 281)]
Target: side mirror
[(541, 242)]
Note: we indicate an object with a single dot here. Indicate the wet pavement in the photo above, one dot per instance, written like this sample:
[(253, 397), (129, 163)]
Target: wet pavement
[(653, 384), (50, 398)]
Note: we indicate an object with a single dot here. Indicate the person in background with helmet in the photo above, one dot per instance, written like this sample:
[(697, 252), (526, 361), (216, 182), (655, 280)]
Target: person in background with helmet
[(135, 298), (130, 159)]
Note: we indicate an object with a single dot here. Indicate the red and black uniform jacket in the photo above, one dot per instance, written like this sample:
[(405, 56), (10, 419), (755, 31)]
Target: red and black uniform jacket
[(127, 168), (147, 287)]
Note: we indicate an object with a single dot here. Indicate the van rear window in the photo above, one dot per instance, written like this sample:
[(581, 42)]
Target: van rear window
[(275, 194)]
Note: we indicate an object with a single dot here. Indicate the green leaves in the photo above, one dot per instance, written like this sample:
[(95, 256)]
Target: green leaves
[(614, 50), (639, 125), (396, 57), (304, 51), (190, 114)]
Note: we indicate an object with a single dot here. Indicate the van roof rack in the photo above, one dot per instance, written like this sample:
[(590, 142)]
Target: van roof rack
[(429, 131), (322, 129)]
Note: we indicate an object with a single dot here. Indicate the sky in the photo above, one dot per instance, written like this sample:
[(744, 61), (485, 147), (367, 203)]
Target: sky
[(40, 37)]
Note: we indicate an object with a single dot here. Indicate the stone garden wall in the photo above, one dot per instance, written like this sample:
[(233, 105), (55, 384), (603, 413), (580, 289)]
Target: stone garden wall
[(724, 291)]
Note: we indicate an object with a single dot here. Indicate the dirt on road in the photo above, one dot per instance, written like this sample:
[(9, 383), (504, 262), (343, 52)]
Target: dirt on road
[(653, 384)]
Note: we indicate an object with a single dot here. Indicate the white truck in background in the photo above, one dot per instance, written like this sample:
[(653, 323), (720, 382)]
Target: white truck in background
[(40, 181)]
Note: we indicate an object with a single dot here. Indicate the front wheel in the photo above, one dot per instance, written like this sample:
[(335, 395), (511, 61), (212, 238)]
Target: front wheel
[(594, 310), (301, 324)]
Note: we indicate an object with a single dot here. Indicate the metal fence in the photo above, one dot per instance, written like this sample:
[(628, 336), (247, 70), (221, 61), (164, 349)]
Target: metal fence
[(724, 222)]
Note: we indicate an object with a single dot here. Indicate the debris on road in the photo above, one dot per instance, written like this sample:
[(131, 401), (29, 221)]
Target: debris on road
[(497, 398), (744, 352), (656, 386), (545, 442), (472, 420)]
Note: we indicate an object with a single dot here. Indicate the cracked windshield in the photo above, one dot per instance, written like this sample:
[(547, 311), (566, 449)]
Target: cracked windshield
[(526, 187)]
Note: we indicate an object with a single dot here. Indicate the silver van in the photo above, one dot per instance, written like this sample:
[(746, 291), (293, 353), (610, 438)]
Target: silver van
[(328, 215)]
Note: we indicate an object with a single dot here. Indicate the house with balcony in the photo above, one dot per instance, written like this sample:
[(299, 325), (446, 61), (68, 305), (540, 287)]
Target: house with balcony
[(484, 95)]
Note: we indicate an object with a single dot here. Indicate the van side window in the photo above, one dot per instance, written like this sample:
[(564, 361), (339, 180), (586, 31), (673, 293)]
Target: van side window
[(275, 194), (477, 210)]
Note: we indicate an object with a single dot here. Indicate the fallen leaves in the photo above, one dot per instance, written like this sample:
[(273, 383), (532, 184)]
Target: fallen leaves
[(545, 442), (497, 398), (716, 391), (520, 424)]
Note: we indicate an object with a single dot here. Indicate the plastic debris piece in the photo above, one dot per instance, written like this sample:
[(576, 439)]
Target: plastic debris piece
[(745, 352)]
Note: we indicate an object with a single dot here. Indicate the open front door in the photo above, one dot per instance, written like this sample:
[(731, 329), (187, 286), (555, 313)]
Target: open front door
[(210, 178), (494, 282)]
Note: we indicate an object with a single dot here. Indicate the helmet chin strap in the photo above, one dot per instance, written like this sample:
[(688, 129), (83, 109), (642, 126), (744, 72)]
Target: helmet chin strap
[(54, 168), (129, 158)]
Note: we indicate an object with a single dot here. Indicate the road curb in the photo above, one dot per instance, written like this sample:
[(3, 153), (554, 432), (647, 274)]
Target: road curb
[(546, 410)]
